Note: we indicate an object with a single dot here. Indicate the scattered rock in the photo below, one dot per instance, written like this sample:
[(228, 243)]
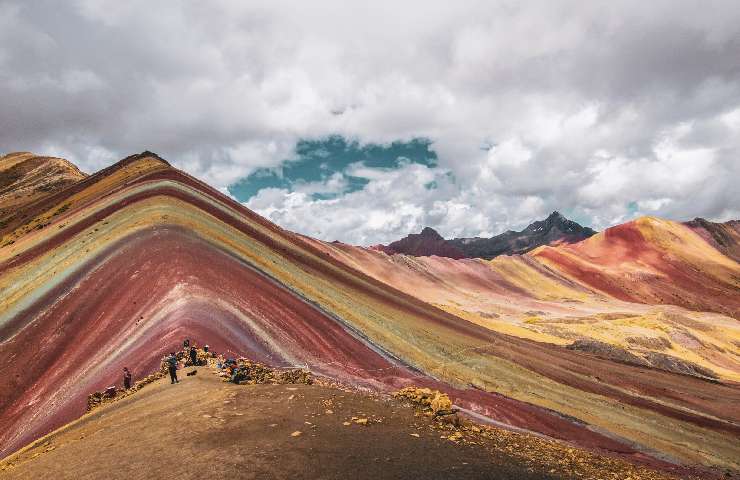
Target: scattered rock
[(112, 394), (676, 365), (244, 371), (608, 352), (432, 401), (653, 343)]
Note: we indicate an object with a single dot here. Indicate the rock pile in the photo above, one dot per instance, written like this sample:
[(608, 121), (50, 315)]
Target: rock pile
[(202, 357), (240, 371), (246, 372), (112, 394), (540, 454), (294, 376), (432, 402)]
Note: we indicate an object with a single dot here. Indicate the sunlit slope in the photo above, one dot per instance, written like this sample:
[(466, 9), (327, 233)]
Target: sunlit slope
[(654, 261), (26, 178), (725, 237), (530, 298), (140, 255)]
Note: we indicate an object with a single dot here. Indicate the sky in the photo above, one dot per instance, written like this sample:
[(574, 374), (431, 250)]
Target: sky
[(366, 121)]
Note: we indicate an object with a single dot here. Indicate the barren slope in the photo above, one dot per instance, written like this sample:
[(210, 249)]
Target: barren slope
[(26, 178), (249, 431)]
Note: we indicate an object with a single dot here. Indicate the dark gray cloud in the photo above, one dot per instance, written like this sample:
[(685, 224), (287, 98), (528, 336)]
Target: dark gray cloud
[(604, 110)]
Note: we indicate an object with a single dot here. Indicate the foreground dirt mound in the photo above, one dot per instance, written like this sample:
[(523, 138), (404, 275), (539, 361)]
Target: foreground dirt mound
[(203, 426)]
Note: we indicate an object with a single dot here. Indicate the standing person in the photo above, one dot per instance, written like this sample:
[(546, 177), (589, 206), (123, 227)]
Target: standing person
[(186, 343), (126, 378), (172, 367), (193, 356)]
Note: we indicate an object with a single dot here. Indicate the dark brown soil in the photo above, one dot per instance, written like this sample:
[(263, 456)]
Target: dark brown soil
[(203, 428)]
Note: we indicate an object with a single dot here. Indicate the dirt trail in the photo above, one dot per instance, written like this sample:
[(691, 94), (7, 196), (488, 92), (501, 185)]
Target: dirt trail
[(203, 427)]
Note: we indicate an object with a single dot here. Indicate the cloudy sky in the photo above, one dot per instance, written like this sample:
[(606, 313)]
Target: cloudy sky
[(364, 121)]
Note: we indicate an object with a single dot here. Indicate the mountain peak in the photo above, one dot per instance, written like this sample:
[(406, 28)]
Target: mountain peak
[(553, 230), (26, 178), (429, 232), (427, 243), (558, 221)]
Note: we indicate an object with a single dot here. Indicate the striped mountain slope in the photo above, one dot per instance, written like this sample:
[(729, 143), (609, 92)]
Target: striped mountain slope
[(117, 268)]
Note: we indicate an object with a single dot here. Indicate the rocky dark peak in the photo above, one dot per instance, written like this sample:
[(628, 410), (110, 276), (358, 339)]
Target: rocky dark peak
[(556, 220), (554, 229), (430, 233), (556, 216), (427, 243), (700, 222)]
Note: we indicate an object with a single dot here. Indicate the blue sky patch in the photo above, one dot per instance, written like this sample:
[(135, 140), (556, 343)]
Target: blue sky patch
[(320, 166), (632, 208)]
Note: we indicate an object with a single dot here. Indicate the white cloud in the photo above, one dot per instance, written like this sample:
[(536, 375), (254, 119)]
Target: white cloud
[(391, 204), (510, 153), (589, 105), (653, 204), (336, 184)]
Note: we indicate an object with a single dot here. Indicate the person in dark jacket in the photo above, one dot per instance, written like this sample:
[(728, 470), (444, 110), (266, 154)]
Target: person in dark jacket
[(172, 367), (193, 356), (126, 378), (186, 343)]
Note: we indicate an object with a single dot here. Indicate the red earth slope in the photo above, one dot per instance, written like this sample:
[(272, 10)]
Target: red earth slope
[(652, 261)]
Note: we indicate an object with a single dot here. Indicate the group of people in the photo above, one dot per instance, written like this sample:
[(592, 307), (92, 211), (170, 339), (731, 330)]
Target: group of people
[(172, 362), (235, 372)]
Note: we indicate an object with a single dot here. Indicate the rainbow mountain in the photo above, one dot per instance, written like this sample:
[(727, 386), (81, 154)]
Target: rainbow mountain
[(627, 342)]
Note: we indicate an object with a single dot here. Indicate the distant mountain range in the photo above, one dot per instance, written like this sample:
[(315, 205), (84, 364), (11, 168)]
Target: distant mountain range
[(553, 230)]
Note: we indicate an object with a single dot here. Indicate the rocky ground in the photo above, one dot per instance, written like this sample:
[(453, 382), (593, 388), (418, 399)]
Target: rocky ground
[(203, 427)]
